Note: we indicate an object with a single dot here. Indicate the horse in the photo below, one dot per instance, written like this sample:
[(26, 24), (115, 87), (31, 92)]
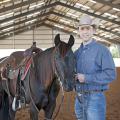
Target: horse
[(14, 60), (48, 70)]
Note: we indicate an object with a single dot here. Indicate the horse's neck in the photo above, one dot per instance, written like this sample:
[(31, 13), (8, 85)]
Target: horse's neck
[(45, 68)]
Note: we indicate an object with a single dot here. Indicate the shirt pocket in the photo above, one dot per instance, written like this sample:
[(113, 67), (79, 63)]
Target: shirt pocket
[(89, 64)]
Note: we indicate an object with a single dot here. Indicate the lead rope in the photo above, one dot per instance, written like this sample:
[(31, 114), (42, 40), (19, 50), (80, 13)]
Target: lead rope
[(61, 85)]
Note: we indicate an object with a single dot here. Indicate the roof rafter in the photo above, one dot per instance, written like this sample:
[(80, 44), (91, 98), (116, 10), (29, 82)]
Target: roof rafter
[(20, 31), (63, 30), (64, 5), (26, 20), (34, 25), (110, 40), (69, 18), (4, 9), (29, 12), (60, 23), (16, 29), (57, 14), (108, 3), (86, 12), (75, 29), (54, 4)]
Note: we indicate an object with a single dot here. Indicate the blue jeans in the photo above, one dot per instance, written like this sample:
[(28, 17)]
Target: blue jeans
[(90, 106)]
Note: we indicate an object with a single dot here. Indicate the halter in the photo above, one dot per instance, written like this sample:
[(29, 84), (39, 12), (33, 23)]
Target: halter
[(60, 82), (56, 71)]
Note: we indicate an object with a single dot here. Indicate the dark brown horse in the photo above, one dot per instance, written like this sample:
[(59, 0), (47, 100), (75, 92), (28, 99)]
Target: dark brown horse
[(14, 59), (42, 82), (8, 86)]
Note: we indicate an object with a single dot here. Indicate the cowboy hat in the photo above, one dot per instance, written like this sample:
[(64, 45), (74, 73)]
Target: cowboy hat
[(87, 20)]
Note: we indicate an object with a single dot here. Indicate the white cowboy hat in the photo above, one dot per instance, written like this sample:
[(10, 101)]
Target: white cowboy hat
[(87, 20)]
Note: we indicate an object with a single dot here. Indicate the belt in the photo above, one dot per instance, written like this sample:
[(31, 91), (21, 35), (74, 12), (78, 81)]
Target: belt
[(91, 91)]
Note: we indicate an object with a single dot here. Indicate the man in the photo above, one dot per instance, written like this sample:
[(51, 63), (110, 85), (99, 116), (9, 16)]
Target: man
[(95, 70)]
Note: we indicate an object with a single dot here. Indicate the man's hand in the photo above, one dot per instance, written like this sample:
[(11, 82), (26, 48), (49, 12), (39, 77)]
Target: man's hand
[(80, 77)]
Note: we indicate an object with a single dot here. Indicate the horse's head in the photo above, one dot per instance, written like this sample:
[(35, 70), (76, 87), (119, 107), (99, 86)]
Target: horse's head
[(65, 62)]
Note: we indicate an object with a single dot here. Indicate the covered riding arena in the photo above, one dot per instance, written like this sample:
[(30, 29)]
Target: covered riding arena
[(24, 21)]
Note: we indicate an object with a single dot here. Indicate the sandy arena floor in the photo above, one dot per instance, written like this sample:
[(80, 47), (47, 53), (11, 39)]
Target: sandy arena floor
[(67, 109)]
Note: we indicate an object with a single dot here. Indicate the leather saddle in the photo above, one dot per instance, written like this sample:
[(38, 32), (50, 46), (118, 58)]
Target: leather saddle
[(22, 69), (20, 60)]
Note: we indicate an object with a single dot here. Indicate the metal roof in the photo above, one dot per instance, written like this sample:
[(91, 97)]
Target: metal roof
[(19, 15)]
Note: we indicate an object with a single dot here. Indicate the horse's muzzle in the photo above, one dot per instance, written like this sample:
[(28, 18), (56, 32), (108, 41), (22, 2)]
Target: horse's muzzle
[(68, 86)]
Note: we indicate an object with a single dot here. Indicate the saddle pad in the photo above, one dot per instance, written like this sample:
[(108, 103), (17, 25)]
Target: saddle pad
[(27, 67)]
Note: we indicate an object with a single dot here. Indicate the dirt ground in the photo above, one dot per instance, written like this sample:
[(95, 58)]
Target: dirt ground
[(67, 109)]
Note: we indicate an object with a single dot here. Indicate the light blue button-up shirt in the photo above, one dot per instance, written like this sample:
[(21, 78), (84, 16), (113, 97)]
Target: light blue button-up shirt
[(94, 61)]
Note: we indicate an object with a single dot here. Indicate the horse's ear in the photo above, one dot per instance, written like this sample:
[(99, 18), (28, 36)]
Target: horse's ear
[(71, 41), (57, 40)]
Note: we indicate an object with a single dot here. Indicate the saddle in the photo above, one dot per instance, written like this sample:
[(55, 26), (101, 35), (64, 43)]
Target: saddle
[(17, 61), (9, 68), (22, 69)]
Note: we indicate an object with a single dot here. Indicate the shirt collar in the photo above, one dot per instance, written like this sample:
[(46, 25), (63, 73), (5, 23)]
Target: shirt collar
[(89, 44)]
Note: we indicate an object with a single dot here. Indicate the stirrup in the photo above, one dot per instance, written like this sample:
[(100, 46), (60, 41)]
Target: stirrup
[(15, 105), (19, 104), (22, 100)]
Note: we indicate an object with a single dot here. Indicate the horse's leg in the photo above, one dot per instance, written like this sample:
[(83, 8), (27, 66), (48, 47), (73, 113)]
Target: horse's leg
[(4, 107), (5, 113), (8, 101), (1, 106), (11, 112), (49, 109), (33, 112)]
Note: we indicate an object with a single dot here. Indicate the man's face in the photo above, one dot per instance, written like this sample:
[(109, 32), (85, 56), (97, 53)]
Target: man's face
[(86, 32)]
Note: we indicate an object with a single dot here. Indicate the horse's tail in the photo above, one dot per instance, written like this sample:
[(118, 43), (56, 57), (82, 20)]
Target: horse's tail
[(4, 106)]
